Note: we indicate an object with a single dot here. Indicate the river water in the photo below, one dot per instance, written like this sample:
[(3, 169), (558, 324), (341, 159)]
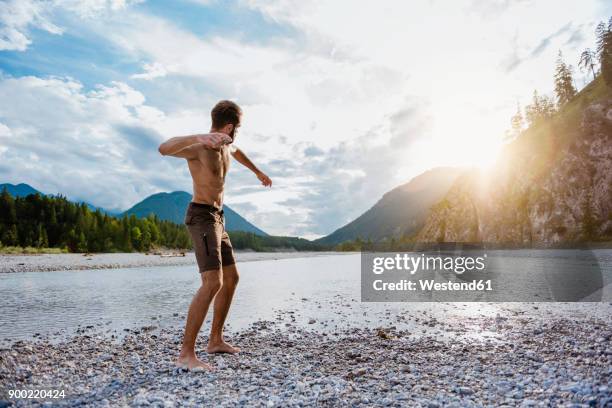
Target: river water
[(316, 292)]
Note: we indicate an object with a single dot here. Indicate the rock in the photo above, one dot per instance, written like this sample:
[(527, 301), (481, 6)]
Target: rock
[(105, 357), (359, 372), (465, 391), (532, 355)]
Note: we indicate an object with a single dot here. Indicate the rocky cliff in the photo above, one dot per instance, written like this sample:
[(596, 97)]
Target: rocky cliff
[(550, 186)]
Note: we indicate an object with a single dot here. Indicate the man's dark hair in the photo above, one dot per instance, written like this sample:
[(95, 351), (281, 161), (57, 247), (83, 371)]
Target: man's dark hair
[(225, 112)]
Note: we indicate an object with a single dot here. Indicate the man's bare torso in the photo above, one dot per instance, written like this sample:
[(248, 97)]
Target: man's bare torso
[(208, 172)]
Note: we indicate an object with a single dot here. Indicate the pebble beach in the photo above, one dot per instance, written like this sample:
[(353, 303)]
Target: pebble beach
[(525, 361), (325, 350)]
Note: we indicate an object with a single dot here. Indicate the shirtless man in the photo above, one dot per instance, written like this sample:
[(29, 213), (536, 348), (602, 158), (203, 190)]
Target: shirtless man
[(208, 160)]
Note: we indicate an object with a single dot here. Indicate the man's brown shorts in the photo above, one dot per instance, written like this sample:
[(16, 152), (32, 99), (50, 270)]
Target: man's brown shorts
[(211, 243)]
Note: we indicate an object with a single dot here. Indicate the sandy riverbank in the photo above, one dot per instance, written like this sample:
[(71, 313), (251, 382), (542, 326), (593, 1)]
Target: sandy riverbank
[(63, 262), (527, 361)]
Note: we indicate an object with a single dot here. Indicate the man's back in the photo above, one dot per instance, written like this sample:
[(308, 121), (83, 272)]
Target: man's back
[(208, 172)]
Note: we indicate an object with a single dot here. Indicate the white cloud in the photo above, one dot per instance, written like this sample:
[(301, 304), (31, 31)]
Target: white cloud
[(5, 131), (301, 94), (18, 17), (151, 71), (92, 8)]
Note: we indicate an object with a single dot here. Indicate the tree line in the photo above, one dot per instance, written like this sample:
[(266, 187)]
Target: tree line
[(42, 221), (249, 240), (597, 62)]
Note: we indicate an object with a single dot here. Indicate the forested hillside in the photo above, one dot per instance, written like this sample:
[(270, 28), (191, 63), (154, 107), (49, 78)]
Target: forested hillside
[(54, 222)]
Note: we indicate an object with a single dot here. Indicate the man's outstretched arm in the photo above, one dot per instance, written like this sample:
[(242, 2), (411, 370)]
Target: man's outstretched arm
[(186, 146), (244, 160)]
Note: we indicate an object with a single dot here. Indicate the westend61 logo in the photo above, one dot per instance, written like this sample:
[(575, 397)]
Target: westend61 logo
[(471, 275)]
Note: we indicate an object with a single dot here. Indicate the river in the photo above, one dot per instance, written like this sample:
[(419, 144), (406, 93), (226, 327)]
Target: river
[(317, 292)]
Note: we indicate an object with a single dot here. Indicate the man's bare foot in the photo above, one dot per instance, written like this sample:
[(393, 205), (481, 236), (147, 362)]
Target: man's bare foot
[(221, 347), (192, 363)]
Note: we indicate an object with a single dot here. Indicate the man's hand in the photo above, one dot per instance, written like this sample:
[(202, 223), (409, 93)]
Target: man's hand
[(214, 140), (265, 180)]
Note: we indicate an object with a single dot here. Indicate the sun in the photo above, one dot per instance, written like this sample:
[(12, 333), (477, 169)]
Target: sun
[(466, 146)]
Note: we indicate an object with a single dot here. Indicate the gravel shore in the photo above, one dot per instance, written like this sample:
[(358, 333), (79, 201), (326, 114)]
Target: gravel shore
[(526, 361), (64, 262)]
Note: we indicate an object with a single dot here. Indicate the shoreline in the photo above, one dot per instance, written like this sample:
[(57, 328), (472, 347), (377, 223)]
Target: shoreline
[(78, 261), (528, 361)]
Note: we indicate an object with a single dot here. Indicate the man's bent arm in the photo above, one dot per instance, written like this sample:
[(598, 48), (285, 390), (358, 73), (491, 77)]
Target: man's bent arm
[(175, 145), (190, 152)]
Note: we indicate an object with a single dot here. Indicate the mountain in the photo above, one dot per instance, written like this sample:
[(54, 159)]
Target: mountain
[(172, 206), (23, 190), (551, 186), (19, 190), (401, 211)]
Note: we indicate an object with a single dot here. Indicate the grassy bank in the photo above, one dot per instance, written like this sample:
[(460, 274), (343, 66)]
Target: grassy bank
[(29, 250)]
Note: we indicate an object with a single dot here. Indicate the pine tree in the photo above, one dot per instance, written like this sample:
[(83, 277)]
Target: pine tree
[(145, 240), (137, 238), (45, 238), (547, 107), (8, 214), (517, 121), (604, 50), (542, 107), (71, 240), (40, 241), (533, 111), (82, 243), (600, 32), (564, 87), (127, 245), (587, 61), (10, 237)]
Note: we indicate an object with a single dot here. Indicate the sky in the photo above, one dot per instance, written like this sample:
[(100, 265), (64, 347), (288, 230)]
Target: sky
[(343, 100)]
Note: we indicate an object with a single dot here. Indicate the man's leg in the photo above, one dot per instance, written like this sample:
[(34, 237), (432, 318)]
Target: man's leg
[(223, 300), (211, 284)]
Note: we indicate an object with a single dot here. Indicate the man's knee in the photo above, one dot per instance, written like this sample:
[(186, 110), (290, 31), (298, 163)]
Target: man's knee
[(212, 280), (230, 275)]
